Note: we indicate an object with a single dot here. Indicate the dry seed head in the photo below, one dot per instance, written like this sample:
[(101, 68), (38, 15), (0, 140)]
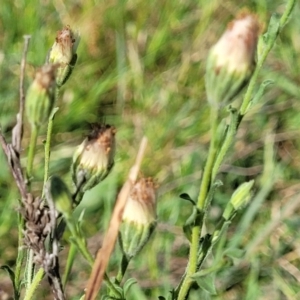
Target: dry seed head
[(231, 60), (98, 148), (63, 53), (139, 217), (236, 48), (94, 158), (64, 47), (140, 207)]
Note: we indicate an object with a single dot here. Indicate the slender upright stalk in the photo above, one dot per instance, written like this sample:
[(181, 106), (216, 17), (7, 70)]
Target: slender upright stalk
[(21, 251), (17, 133), (206, 179), (29, 269), (204, 188), (31, 152), (33, 140), (123, 267), (48, 145), (36, 281), (70, 261)]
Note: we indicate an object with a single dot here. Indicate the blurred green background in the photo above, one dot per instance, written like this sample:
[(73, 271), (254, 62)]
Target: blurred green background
[(140, 68)]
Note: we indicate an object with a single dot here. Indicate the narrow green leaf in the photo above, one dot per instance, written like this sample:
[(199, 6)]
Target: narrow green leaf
[(10, 272), (234, 252), (211, 193), (260, 92), (128, 284), (273, 29), (11, 275)]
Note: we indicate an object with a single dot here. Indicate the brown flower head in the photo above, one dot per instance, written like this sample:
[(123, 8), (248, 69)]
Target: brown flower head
[(94, 158)]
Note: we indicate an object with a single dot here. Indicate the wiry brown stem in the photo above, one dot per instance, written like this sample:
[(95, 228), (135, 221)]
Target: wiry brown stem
[(15, 166), (17, 132)]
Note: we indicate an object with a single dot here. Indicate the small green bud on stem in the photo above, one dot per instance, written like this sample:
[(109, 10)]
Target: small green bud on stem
[(239, 199)]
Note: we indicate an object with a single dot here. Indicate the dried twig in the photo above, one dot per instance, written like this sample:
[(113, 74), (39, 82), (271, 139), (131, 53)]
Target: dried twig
[(14, 163), (12, 151), (104, 253), (17, 132), (53, 269)]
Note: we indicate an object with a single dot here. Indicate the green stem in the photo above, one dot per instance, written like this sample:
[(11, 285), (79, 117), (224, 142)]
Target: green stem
[(31, 151), (230, 134), (48, 147), (36, 281), (79, 241), (20, 256), (204, 188), (248, 96), (206, 179), (29, 268), (70, 261), (122, 270), (287, 13)]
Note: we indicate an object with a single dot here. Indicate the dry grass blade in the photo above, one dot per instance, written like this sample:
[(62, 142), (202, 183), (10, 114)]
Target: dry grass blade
[(15, 166), (104, 253)]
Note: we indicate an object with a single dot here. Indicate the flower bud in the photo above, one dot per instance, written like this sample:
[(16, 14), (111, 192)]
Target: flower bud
[(60, 196), (239, 199), (94, 158), (41, 95), (231, 60), (63, 53), (242, 195), (139, 217)]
